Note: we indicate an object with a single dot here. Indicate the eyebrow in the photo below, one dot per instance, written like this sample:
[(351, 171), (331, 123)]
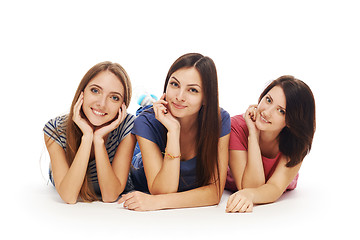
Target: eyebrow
[(95, 85), (191, 85)]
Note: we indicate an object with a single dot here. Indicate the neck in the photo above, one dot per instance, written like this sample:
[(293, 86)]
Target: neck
[(188, 124), (266, 136), (269, 144)]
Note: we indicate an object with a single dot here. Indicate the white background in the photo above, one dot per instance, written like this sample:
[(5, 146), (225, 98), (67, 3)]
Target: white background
[(46, 47)]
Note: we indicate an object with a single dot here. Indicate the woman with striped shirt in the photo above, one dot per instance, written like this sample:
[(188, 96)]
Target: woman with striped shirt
[(91, 147)]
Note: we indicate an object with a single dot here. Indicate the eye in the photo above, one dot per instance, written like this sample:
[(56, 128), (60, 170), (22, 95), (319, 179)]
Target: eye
[(115, 98), (268, 100), (193, 90), (94, 90), (174, 84), (282, 111)]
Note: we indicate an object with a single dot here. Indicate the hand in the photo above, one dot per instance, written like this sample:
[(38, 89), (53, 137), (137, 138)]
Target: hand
[(164, 115), (82, 123), (103, 131), (240, 201), (139, 201), (250, 119)]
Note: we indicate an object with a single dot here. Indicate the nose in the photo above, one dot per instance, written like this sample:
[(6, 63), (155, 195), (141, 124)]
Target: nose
[(267, 112), (101, 102), (180, 96)]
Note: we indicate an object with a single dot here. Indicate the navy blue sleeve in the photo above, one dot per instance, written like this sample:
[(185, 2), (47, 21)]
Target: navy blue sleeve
[(225, 123), (148, 127)]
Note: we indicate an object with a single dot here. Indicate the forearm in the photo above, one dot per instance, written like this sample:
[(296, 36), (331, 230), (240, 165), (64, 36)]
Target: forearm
[(72, 182), (109, 183), (167, 179), (254, 171), (266, 193), (199, 197)]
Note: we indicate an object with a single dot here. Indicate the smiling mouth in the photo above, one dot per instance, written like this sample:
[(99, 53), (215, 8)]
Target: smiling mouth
[(98, 113), (178, 106), (264, 119)]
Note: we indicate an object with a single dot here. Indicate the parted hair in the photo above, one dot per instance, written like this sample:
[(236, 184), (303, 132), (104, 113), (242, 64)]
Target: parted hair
[(295, 139), (209, 119)]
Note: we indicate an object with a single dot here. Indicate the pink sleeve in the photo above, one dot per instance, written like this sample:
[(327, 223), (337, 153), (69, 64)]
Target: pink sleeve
[(239, 134)]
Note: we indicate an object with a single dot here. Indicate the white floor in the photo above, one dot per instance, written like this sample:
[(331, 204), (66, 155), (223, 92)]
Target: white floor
[(319, 208)]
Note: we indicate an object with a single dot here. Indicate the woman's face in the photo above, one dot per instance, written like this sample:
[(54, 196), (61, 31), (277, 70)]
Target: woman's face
[(103, 97), (184, 93), (271, 111)]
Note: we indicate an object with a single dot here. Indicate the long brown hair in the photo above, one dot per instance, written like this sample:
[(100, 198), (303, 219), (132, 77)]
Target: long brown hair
[(209, 120), (295, 139), (73, 132)]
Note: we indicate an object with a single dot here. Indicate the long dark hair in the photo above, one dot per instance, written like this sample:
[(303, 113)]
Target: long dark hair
[(73, 132), (209, 120), (295, 139)]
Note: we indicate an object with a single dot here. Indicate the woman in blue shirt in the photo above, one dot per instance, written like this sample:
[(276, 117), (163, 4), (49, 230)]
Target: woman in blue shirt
[(183, 140)]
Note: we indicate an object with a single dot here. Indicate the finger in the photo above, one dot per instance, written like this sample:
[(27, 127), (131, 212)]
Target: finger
[(233, 203), (123, 109), (163, 96), (121, 200), (229, 201), (238, 206), (124, 198), (160, 110), (78, 104), (245, 206), (250, 208), (160, 103), (121, 115), (133, 206)]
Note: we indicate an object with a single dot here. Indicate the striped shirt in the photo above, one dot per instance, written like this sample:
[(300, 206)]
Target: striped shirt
[(56, 130)]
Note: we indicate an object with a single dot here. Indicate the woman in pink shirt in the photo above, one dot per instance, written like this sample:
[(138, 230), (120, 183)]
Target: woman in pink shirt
[(268, 144)]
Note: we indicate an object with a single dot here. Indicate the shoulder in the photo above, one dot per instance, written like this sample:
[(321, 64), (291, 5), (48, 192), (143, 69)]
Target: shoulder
[(225, 122), (147, 126), (128, 121), (57, 124), (147, 119), (239, 133), (225, 116), (125, 127), (56, 129), (238, 121)]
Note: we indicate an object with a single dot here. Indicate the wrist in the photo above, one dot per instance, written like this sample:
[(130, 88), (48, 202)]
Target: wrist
[(253, 136), (174, 133), (98, 139), (87, 137)]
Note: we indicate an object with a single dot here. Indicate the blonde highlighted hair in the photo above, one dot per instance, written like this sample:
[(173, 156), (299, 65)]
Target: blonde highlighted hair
[(73, 132)]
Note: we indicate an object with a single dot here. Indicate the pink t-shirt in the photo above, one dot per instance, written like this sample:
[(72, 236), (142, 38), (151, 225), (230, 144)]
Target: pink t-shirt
[(239, 141)]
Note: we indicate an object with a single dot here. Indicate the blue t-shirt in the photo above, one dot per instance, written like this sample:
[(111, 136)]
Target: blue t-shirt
[(148, 127)]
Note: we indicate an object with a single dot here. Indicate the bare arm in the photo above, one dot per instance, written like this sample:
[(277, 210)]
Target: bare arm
[(202, 196), (242, 200), (68, 180), (162, 173), (277, 184), (237, 164), (113, 177), (254, 175)]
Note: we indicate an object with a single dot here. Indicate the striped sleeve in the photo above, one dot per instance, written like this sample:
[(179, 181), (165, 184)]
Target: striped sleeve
[(56, 130), (118, 134), (126, 126)]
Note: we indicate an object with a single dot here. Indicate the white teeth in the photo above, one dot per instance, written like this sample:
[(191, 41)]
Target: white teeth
[(264, 119), (98, 113)]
